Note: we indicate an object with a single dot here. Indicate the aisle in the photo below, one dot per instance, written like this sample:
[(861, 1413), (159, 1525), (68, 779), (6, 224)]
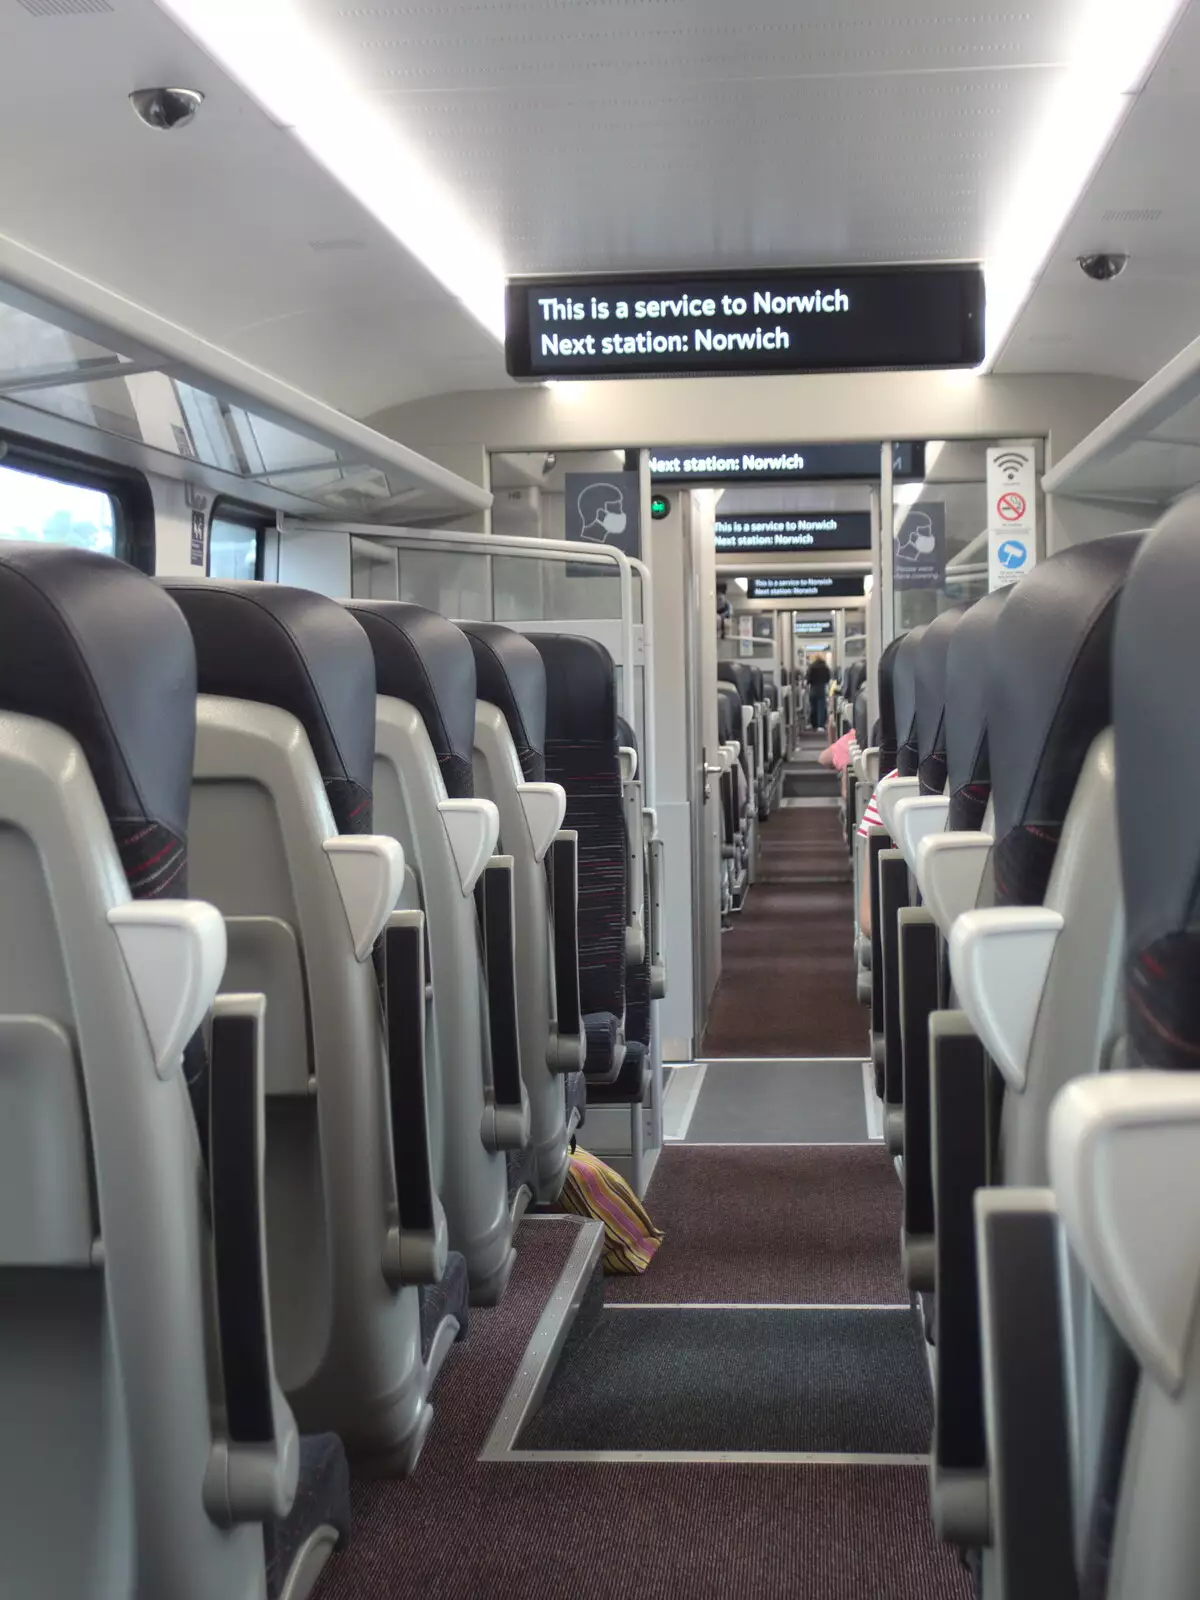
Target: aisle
[(788, 982)]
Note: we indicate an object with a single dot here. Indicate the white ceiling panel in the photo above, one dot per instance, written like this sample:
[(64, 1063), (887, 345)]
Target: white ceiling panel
[(1144, 202), (580, 135), (214, 226), (602, 135)]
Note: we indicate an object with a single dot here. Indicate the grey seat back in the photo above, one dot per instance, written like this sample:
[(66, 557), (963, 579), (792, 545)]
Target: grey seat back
[(1049, 695), (1055, 802), (931, 699), (582, 753), (283, 769), (129, 1422), (1125, 1145), (888, 735), (510, 762), (904, 690), (968, 662), (424, 793)]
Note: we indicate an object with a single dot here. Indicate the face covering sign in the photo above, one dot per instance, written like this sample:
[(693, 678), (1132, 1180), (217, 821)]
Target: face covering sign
[(919, 551), (604, 509)]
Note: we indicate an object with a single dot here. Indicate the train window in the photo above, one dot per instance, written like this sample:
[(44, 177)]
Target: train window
[(54, 511), (235, 548)]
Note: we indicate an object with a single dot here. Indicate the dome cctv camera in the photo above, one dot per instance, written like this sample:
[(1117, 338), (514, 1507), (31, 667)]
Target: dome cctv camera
[(1103, 267), (166, 109)]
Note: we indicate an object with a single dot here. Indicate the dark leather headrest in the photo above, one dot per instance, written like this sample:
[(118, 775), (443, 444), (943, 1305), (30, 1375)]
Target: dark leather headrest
[(298, 651), (904, 693), (931, 698), (425, 660), (860, 718), (729, 713), (581, 689), (968, 662), (626, 736), (509, 675), (741, 676), (756, 677), (95, 648), (1049, 694), (887, 707), (1157, 766), (771, 695)]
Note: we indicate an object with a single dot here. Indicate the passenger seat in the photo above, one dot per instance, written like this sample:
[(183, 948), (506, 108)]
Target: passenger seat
[(425, 798), (510, 770), (150, 1449), (366, 1297)]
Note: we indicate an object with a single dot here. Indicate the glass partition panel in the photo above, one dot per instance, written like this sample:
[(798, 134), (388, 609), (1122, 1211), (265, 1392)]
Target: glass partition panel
[(528, 590), (456, 585)]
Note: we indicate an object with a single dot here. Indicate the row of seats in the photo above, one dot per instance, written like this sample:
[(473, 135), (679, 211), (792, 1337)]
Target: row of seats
[(753, 732), (323, 924), (1032, 963)]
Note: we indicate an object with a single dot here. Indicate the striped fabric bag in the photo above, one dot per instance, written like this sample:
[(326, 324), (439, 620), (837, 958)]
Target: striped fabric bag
[(594, 1190)]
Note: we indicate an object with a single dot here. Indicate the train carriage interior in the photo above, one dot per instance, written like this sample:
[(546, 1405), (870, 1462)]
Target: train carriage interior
[(598, 923)]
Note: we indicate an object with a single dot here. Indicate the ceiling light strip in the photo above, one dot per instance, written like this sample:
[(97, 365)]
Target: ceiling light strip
[(284, 64), (1118, 44)]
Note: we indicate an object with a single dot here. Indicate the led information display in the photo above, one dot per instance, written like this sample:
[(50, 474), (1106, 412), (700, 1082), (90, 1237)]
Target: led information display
[(818, 628), (858, 320), (765, 463), (784, 531), (820, 586)]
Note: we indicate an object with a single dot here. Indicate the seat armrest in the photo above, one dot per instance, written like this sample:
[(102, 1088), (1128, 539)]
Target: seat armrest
[(472, 830), (949, 871), (544, 806), (566, 1048), (417, 1245), (960, 1093), (1019, 1247), (254, 1466), (918, 819), (888, 795), (369, 869), (506, 1116), (999, 960), (1124, 1152), (174, 952)]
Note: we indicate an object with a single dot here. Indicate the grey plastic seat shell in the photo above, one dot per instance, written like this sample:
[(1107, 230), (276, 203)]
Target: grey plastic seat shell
[(509, 739), (267, 778), (424, 732), (109, 1396)]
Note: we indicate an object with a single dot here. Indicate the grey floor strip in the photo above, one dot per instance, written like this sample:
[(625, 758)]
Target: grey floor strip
[(871, 1105), (801, 1382), (780, 1102), (548, 1339), (680, 1104)]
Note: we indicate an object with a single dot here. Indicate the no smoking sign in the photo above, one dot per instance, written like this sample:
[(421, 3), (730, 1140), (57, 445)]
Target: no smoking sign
[(1010, 507)]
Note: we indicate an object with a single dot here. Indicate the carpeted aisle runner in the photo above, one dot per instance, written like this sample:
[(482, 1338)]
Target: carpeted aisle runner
[(788, 980), (773, 1224)]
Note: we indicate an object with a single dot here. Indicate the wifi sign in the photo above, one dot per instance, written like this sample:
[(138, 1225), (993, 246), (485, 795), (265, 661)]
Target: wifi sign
[(1012, 463)]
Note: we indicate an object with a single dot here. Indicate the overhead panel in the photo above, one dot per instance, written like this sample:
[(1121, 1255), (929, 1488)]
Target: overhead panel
[(731, 324)]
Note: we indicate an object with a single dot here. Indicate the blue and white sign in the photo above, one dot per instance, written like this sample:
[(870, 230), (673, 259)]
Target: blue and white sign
[(1012, 512)]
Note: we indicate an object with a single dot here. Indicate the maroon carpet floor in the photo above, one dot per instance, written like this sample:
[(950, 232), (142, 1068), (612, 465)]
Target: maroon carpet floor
[(764, 1224), (463, 1530), (788, 981)]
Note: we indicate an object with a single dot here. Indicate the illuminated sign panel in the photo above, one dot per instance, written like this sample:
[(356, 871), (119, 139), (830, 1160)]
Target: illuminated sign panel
[(807, 320)]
